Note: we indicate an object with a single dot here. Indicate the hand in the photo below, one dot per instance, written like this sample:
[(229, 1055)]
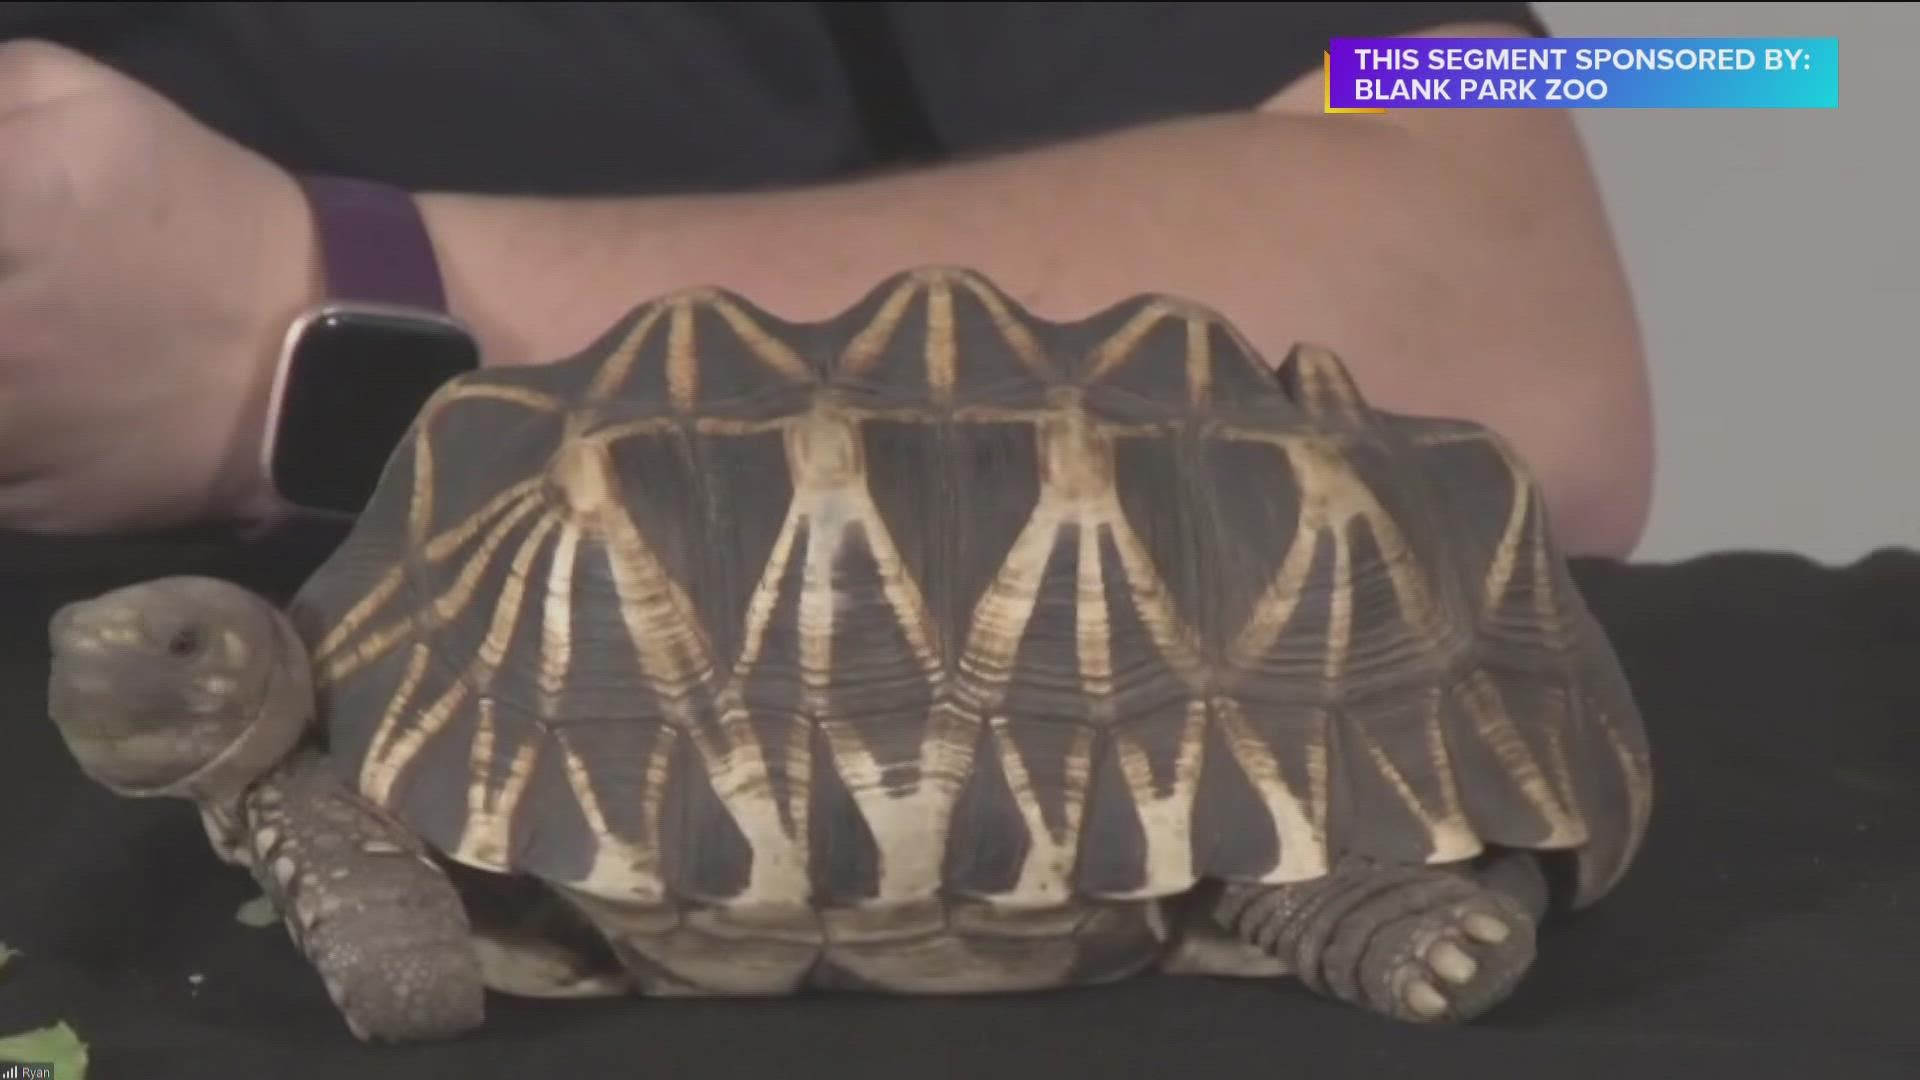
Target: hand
[(148, 269)]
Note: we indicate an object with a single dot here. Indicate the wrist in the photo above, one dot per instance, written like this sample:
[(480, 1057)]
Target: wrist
[(535, 279), (288, 279), (474, 235)]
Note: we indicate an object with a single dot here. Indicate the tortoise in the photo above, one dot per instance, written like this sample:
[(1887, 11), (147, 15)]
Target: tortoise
[(934, 648)]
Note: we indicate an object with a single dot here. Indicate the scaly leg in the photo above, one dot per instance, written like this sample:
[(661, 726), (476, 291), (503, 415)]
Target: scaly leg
[(1423, 944), (365, 902)]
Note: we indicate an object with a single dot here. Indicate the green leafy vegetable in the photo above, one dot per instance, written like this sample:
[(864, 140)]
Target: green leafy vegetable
[(57, 1046), (257, 912)]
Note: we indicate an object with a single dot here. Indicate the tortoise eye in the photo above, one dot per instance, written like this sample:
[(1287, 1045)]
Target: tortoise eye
[(185, 642)]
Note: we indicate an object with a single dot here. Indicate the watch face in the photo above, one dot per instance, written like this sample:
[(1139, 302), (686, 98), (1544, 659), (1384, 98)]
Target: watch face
[(351, 385)]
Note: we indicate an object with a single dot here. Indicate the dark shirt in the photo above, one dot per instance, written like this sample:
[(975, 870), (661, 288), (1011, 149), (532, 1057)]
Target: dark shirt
[(560, 98)]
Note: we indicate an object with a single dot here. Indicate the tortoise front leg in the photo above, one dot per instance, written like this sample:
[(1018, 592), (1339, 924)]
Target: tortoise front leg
[(364, 901), (1423, 944)]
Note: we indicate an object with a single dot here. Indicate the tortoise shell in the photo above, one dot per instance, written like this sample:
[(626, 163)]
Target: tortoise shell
[(939, 598)]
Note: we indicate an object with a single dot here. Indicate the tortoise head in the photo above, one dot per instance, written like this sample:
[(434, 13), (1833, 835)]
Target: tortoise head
[(182, 686)]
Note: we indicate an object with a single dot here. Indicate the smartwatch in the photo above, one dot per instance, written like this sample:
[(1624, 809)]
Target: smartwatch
[(355, 370)]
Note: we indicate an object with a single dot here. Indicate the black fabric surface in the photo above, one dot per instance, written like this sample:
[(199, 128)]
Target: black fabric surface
[(1768, 930)]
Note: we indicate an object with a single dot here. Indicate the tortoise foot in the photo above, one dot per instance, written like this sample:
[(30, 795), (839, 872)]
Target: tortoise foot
[(402, 995), (1451, 959), (1423, 945)]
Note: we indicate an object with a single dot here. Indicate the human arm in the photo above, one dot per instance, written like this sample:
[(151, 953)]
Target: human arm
[(149, 264), (1460, 261)]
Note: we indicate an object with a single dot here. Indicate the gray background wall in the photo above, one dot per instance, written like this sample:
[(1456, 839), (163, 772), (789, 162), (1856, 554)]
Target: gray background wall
[(1775, 260)]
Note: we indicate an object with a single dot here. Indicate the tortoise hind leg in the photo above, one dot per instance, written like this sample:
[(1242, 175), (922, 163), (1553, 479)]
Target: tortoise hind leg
[(379, 920), (1422, 944)]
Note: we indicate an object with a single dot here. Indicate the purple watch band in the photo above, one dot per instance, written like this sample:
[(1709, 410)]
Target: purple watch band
[(374, 245)]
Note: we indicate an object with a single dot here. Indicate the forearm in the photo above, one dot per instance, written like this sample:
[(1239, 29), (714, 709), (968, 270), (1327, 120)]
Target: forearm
[(1451, 283)]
